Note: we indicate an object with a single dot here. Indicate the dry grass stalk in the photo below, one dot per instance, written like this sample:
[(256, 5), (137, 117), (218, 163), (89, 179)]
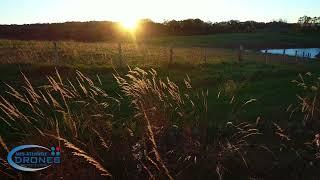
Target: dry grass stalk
[(81, 153), (150, 137)]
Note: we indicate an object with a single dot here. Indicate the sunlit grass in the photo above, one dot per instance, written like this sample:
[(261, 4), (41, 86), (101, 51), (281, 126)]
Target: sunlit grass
[(132, 53)]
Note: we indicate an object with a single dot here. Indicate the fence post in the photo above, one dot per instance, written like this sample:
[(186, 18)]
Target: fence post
[(296, 55), (240, 53), (171, 55), (205, 55), (120, 54), (284, 55), (56, 52), (266, 56)]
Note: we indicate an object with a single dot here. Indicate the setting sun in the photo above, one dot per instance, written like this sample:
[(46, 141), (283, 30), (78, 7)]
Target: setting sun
[(129, 24)]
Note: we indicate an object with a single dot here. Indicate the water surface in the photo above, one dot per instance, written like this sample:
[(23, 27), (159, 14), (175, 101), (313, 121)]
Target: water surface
[(301, 52)]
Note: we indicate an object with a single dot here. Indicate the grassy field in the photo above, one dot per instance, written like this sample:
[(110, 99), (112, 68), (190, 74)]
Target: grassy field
[(154, 52), (215, 110), (266, 83), (258, 40)]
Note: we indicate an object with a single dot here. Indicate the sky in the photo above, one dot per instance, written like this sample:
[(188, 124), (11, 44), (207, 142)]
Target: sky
[(50, 11)]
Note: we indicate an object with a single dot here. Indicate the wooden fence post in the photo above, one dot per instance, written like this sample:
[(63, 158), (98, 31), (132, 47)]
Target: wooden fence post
[(240, 53), (56, 52), (171, 55), (296, 55), (266, 56), (120, 54), (205, 55)]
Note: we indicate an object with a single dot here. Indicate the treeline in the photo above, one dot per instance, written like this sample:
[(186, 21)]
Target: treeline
[(309, 23), (196, 26), (78, 31), (105, 30)]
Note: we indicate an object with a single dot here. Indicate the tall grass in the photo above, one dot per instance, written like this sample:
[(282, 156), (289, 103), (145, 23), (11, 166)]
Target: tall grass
[(309, 100), (73, 110), (167, 136)]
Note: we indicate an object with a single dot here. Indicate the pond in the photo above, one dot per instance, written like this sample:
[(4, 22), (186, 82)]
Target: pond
[(300, 52)]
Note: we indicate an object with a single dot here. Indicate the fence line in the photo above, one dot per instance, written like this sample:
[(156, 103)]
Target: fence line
[(121, 54)]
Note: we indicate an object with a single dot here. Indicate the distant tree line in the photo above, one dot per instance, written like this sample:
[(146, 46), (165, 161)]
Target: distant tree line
[(194, 26), (105, 30), (309, 23), (78, 31)]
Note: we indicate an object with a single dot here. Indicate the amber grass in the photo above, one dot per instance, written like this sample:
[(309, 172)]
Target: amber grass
[(82, 154), (87, 121), (107, 54), (78, 106), (308, 101)]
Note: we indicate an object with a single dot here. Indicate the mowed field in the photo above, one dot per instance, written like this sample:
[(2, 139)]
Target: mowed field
[(258, 88), (258, 40)]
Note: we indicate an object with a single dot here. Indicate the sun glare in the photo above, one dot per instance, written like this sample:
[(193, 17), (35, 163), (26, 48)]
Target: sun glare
[(129, 24)]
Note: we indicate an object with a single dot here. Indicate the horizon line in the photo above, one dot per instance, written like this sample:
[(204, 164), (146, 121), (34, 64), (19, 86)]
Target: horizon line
[(72, 21)]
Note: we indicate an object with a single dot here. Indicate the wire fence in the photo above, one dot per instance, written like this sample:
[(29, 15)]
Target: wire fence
[(104, 53), (119, 54)]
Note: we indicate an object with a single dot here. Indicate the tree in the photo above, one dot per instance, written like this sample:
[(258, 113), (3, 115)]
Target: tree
[(308, 23), (304, 21)]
